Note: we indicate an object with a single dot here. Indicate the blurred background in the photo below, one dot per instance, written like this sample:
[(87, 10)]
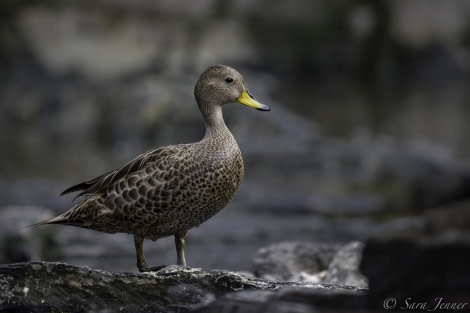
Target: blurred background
[(367, 136)]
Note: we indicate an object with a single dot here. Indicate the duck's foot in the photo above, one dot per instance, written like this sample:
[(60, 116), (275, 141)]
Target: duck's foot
[(145, 268), (141, 262)]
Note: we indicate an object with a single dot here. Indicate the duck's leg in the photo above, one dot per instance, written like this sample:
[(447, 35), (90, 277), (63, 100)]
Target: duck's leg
[(141, 262), (179, 243)]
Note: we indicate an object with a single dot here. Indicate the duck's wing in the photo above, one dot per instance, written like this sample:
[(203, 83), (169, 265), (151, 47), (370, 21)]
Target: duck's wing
[(85, 185), (101, 183)]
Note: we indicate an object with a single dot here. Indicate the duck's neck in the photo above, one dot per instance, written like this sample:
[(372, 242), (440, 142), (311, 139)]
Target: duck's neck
[(215, 125)]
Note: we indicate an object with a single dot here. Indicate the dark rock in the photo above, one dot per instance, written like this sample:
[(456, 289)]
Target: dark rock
[(313, 262), (46, 287), (412, 272), (288, 300)]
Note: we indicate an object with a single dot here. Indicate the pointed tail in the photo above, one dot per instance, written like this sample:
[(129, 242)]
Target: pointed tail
[(56, 220)]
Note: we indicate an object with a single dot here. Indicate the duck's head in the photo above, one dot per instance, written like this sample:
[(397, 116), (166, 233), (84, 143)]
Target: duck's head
[(220, 84)]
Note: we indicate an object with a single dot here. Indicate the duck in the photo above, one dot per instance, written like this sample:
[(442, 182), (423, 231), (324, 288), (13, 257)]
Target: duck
[(169, 190)]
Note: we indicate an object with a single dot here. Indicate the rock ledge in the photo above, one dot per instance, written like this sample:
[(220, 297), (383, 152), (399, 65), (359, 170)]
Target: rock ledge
[(46, 287)]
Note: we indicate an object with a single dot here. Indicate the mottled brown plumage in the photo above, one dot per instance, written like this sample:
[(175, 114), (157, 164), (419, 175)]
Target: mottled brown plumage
[(169, 190)]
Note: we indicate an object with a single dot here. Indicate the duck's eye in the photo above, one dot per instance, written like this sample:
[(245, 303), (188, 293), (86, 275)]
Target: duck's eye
[(229, 79)]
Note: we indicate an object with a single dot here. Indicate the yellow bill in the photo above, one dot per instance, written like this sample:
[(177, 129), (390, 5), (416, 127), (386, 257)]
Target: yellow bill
[(247, 99)]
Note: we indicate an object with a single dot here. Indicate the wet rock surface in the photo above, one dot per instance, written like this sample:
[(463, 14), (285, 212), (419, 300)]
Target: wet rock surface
[(45, 287)]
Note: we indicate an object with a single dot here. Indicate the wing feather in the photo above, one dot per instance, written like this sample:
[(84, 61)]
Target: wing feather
[(101, 183)]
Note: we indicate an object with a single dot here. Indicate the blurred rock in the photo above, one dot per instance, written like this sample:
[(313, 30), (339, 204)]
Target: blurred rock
[(444, 224), (46, 287), (93, 85), (366, 175), (344, 268), (311, 262), (18, 243), (288, 261), (351, 204), (449, 223)]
